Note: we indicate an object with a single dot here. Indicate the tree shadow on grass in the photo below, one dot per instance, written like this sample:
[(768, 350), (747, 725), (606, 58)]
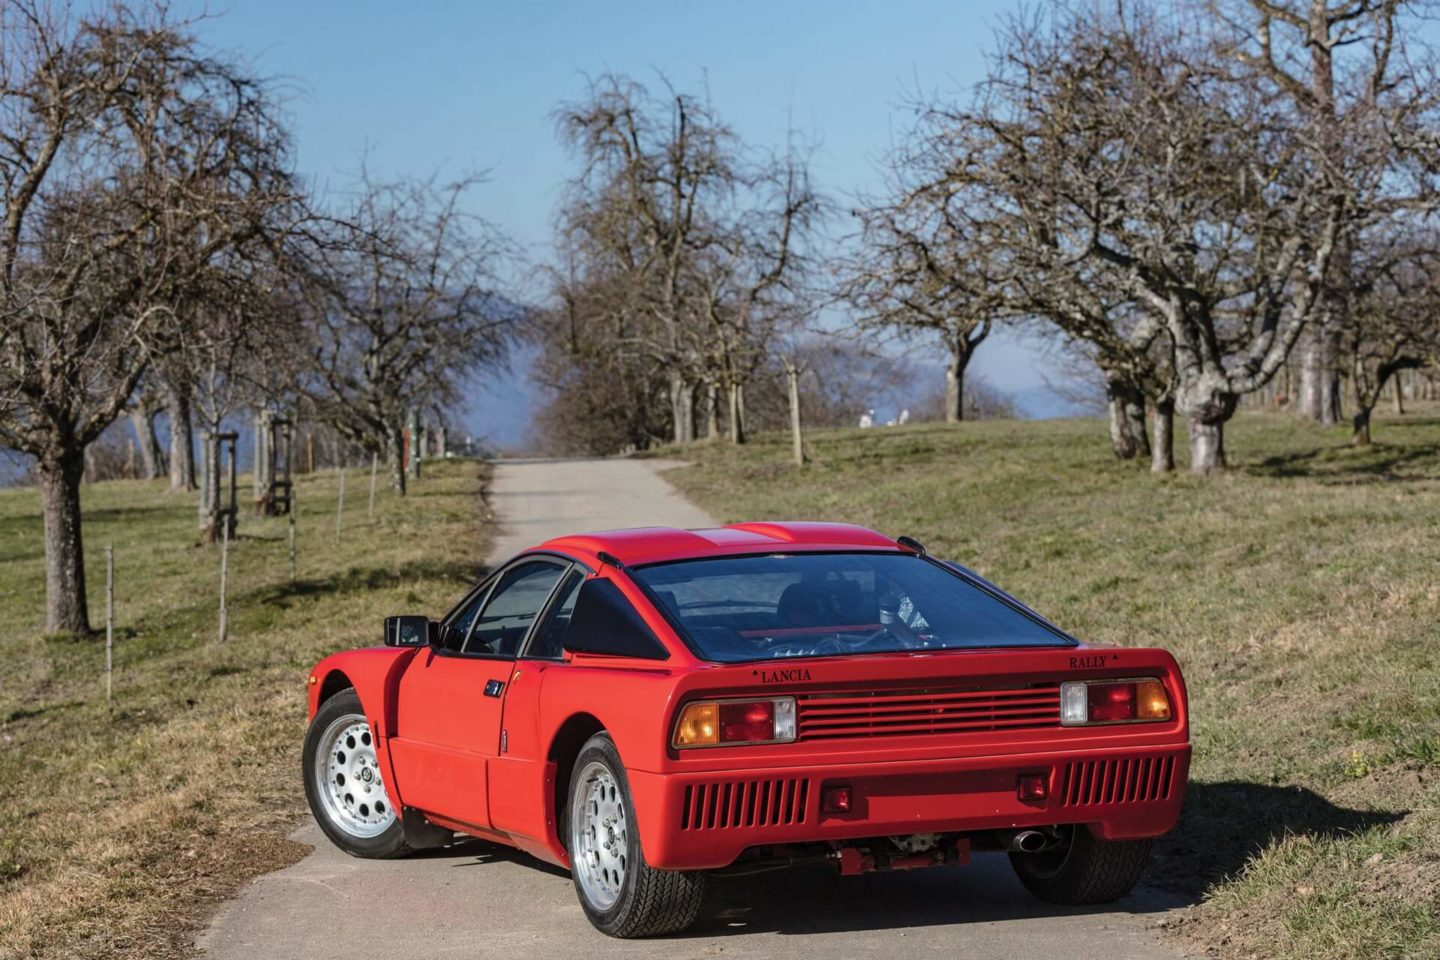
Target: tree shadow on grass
[(1224, 825), (358, 579), (1378, 463)]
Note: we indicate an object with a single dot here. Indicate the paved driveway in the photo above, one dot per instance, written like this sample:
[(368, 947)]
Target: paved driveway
[(478, 900)]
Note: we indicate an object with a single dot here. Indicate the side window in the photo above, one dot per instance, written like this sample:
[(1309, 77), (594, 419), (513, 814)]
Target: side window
[(512, 607), (453, 632), (549, 640)]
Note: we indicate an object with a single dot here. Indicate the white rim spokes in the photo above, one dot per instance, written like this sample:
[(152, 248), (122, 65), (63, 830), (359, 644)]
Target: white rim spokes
[(600, 836), (348, 779)]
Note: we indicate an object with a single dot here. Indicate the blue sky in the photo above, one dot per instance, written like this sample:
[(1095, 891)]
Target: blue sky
[(455, 87)]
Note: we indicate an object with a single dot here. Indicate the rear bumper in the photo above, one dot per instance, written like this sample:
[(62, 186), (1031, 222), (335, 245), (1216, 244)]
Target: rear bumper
[(693, 821)]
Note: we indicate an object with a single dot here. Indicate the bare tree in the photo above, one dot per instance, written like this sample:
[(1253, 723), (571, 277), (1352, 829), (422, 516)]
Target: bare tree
[(124, 159), (1343, 68), (1107, 158), (400, 293), (923, 271), (1393, 321), (682, 255)]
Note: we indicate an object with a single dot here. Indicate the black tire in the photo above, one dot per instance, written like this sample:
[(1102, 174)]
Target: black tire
[(383, 846), (1084, 870), (650, 902)]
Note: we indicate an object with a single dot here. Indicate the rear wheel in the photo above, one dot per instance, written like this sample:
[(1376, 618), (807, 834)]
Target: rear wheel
[(620, 893), (1083, 869), (344, 785)]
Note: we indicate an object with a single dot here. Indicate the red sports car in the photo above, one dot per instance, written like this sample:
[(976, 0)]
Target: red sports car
[(644, 706)]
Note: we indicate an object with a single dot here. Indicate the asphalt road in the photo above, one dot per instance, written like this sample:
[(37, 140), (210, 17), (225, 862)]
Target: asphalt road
[(479, 900)]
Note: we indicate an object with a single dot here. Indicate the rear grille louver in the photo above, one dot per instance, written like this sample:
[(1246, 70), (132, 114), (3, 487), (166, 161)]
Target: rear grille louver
[(744, 803), (1091, 783), (832, 716)]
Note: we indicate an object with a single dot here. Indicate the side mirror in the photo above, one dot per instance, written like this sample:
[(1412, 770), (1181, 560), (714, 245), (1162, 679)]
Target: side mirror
[(408, 631)]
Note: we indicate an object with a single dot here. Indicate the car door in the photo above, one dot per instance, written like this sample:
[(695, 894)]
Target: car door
[(451, 698), (520, 800)]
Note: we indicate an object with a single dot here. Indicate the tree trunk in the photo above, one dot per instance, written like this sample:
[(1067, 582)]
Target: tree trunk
[(1331, 409), (412, 433), (797, 440), (142, 419), (395, 459), (1207, 446), (1127, 419), (955, 388), (712, 411), (1400, 393), (737, 413), (682, 408), (210, 486), (65, 608), (1360, 427), (1162, 449), (182, 441), (260, 475), (1312, 364)]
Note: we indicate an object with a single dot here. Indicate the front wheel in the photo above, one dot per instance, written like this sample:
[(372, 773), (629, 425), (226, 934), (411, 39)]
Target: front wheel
[(343, 782), (621, 894), (1083, 869)]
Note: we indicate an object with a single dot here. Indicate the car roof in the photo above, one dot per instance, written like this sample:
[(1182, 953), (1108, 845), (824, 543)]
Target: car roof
[(641, 545)]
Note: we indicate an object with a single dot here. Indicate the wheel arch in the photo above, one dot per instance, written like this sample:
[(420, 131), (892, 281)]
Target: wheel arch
[(564, 748), (336, 681)]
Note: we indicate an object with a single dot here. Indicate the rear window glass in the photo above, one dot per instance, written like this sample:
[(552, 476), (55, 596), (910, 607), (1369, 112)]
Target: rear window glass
[(738, 609)]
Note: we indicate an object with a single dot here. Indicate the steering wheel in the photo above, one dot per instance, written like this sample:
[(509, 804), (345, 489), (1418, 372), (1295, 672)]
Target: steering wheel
[(905, 642)]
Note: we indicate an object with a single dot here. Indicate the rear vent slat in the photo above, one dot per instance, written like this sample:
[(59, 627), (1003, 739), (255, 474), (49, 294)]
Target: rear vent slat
[(1143, 779), (896, 713), (744, 804)]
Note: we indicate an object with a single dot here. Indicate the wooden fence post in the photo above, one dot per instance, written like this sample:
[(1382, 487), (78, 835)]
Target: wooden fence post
[(224, 572), (292, 534), (374, 467), (340, 500), (109, 624), (797, 440)]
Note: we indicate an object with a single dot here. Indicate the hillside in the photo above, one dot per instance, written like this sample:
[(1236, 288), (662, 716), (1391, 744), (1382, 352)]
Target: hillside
[(1299, 592), (119, 831)]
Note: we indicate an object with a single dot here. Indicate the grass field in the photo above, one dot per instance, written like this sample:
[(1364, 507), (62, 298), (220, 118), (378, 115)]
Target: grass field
[(120, 830), (1301, 593)]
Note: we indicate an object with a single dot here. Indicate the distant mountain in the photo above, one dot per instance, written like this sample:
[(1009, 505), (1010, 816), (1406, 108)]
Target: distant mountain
[(503, 402)]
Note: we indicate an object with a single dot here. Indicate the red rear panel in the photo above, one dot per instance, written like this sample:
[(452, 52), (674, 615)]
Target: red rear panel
[(926, 743)]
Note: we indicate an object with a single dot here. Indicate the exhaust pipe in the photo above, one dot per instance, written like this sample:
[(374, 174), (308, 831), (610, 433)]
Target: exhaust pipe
[(1024, 841)]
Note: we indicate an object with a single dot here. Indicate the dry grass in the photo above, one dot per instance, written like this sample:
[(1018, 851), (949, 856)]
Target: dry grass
[(120, 831), (1299, 591)]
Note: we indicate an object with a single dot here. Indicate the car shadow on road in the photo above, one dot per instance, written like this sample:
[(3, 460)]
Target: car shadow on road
[(480, 853), (816, 900), (1222, 827)]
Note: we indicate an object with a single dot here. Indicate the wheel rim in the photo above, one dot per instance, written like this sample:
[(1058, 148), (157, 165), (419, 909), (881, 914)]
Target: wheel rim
[(600, 835), (347, 779)]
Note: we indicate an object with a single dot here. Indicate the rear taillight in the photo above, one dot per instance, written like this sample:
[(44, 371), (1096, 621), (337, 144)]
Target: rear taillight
[(718, 723), (1084, 702)]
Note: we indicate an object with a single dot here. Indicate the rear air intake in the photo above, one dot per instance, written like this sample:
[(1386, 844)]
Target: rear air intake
[(1090, 783), (744, 803)]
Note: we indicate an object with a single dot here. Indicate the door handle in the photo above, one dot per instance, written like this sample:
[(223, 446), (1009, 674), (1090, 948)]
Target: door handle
[(493, 688)]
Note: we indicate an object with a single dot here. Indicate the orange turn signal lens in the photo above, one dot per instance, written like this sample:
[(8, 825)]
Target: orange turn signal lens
[(699, 725), (1085, 702), (1151, 703), (714, 723)]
